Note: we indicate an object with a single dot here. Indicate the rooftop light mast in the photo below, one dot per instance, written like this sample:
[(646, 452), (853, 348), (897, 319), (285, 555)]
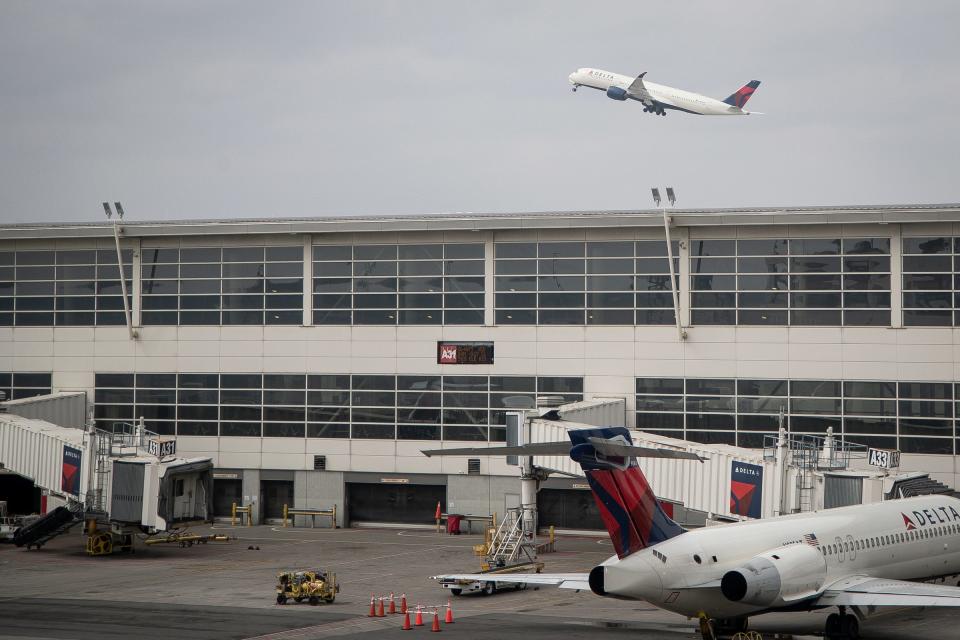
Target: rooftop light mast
[(123, 276), (671, 196)]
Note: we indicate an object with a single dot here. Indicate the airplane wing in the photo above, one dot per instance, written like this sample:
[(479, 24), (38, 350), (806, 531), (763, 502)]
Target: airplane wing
[(638, 91), (575, 581), (864, 591), (605, 447)]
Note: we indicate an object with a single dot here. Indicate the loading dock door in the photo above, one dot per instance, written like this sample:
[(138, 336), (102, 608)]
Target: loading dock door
[(568, 509), (225, 493), (273, 495), (399, 503)]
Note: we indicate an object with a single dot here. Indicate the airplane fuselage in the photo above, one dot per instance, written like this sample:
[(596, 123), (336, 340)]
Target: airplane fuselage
[(910, 539), (663, 96)]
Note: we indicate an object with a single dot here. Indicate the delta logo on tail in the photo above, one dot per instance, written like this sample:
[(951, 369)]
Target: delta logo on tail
[(908, 522)]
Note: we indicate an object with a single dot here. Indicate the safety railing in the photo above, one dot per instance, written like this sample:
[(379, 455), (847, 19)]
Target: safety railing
[(291, 515)]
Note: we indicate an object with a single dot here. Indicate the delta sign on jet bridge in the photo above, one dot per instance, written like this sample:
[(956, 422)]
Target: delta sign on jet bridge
[(853, 558)]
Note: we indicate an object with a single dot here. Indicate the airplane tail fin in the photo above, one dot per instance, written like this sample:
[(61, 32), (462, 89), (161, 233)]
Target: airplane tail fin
[(739, 99), (628, 507)]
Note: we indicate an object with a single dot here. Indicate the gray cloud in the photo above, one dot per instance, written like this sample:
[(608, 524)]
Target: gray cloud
[(234, 109)]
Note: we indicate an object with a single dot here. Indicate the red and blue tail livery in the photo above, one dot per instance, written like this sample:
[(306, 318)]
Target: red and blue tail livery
[(628, 507), (739, 99)]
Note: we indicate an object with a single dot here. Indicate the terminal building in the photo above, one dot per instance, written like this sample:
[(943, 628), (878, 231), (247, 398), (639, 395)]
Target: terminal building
[(313, 359)]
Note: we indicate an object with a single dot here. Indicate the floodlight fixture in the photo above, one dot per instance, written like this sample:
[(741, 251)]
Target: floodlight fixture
[(119, 208), (671, 196), (656, 196), (107, 210)]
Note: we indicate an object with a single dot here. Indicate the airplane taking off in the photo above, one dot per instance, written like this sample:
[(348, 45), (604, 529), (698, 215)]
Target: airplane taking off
[(854, 558), (657, 98)]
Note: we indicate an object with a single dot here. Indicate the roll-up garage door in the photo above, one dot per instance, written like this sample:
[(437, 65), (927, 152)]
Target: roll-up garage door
[(395, 503), (842, 491), (568, 509)]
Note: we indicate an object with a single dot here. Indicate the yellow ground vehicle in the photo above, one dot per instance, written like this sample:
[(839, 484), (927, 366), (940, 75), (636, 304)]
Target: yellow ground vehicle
[(312, 585)]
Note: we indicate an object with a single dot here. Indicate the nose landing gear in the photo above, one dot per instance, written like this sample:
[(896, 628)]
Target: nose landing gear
[(575, 88)]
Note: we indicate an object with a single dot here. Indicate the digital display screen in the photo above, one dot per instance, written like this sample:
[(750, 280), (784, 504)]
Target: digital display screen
[(464, 353)]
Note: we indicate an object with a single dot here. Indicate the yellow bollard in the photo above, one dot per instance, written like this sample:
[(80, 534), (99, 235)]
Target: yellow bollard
[(284, 516), (233, 515)]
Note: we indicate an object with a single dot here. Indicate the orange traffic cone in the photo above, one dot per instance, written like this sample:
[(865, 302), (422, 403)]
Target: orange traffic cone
[(380, 613), (436, 620), (406, 622), (418, 619), (403, 603), (373, 609), (448, 619), (393, 604)]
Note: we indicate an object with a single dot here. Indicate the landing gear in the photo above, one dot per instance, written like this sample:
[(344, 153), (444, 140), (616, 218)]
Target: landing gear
[(575, 88), (842, 626), (717, 628)]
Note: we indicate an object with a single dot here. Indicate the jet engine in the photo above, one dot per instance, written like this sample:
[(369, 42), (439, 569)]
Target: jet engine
[(616, 93), (777, 577)]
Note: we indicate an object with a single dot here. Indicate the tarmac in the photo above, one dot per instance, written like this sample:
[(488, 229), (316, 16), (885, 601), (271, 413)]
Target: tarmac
[(226, 590)]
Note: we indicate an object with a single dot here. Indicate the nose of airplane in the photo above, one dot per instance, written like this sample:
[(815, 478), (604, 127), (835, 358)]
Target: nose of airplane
[(570, 77)]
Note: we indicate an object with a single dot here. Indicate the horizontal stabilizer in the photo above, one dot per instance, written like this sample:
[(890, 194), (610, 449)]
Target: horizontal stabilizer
[(563, 448)]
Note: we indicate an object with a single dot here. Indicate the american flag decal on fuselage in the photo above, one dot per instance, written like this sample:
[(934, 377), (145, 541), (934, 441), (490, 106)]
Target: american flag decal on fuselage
[(811, 539)]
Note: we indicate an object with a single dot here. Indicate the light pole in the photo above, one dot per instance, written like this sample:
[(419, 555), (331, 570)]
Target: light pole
[(671, 196), (123, 276)]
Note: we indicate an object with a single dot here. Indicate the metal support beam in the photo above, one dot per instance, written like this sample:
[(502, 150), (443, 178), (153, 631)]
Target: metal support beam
[(681, 334)]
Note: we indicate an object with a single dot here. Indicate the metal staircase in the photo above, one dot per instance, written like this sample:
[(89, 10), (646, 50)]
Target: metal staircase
[(508, 543)]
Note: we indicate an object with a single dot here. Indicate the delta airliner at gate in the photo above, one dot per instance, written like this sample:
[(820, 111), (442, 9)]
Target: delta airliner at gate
[(302, 355)]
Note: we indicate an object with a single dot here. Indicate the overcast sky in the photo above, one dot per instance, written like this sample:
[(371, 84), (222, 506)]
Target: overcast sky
[(186, 109)]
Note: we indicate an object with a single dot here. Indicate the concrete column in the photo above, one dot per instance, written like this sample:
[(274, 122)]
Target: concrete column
[(308, 281), (682, 235), (896, 276), (488, 282), (136, 284), (251, 493)]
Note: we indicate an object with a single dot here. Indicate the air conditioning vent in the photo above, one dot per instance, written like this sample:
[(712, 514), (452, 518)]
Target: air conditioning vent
[(319, 463), (473, 466)]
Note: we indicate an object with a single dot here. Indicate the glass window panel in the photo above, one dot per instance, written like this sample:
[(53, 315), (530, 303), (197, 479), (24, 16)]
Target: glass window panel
[(929, 318), (77, 272), (516, 316), (237, 270), (712, 248), (375, 301), (561, 283), (463, 316), (159, 318), (465, 284), (342, 301), (560, 266), (712, 283), (664, 299), (463, 267), (242, 286), (211, 254), (609, 249), (700, 299), (418, 415), (464, 251), (870, 389), (873, 263), (762, 265), (815, 246), (375, 285), (870, 407), (561, 249), (420, 268), (34, 288), (463, 300), (35, 273), (375, 252), (515, 267), (648, 421), (926, 245), (328, 414), (113, 380), (764, 247), (870, 425), (561, 316), (374, 269), (333, 269), (926, 390), (712, 265), (815, 388), (659, 385), (379, 382), (512, 383), (328, 397), (283, 270), (283, 430), (420, 284), (814, 424), (866, 318), (871, 282), (113, 397), (866, 245), (821, 317), (762, 387), (328, 430), (919, 426), (710, 421), (159, 380), (761, 317), (190, 412), (656, 283), (73, 303), (926, 445), (418, 432), (711, 386), (324, 285), (620, 299), (284, 414), (648, 248), (866, 300), (377, 431), (283, 302), (515, 250), (35, 257), (761, 405), (920, 263), (609, 283), (710, 316), (654, 265), (420, 301), (240, 429), (293, 253), (933, 281), (468, 400), (660, 403), (762, 299), (700, 404), (430, 316), (328, 381), (332, 252), (465, 433), (505, 300), (239, 254), (828, 300), (816, 264)]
